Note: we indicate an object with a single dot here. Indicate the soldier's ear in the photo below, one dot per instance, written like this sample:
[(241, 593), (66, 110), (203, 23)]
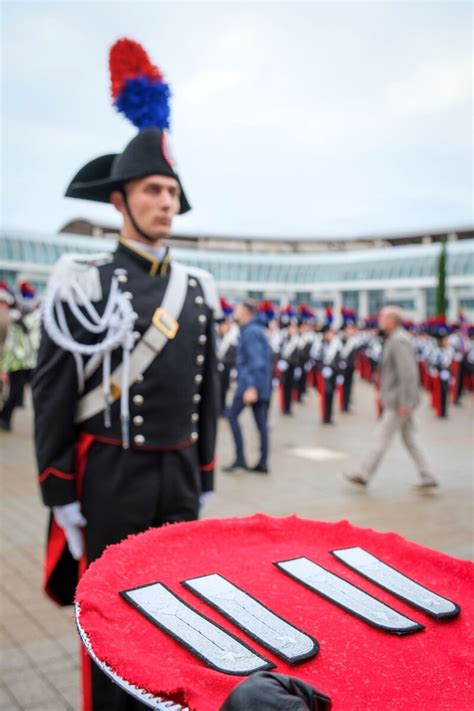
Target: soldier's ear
[(116, 198)]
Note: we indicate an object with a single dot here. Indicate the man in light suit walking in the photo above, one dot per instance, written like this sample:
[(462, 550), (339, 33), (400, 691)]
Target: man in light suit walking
[(400, 396)]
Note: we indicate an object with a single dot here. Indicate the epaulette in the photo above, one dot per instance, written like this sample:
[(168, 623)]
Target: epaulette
[(209, 287), (83, 269)]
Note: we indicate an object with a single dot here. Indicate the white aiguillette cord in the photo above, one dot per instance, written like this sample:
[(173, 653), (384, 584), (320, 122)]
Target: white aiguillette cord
[(116, 323)]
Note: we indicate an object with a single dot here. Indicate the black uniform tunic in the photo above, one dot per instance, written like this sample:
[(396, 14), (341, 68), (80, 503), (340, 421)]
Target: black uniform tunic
[(173, 410), (173, 413)]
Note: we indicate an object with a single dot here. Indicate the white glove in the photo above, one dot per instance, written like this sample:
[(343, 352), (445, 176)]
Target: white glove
[(282, 365), (205, 497), (71, 520)]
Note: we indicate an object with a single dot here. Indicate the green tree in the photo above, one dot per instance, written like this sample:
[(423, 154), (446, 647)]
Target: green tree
[(441, 287)]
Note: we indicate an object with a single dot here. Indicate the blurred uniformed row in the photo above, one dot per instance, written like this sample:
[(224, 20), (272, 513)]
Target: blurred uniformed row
[(310, 353)]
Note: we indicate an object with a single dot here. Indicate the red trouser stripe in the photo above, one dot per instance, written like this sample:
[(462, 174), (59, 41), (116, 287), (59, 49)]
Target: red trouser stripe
[(455, 371), (281, 392), (340, 392)]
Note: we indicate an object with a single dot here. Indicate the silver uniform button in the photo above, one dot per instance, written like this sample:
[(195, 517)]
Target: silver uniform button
[(194, 417), (137, 399), (134, 315), (122, 278), (138, 420), (194, 436), (202, 318), (196, 398), (139, 439), (199, 360), (198, 379), (128, 295), (139, 378), (136, 335), (202, 340), (192, 283), (199, 300)]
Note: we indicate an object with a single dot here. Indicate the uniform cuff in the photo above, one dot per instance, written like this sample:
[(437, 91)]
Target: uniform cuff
[(57, 487), (207, 476)]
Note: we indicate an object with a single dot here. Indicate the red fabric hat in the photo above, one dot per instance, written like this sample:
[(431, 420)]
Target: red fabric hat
[(358, 666)]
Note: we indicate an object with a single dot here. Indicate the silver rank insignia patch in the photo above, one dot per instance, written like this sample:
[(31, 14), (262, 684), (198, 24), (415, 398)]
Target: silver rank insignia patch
[(254, 618), (348, 596), (204, 638), (396, 583)]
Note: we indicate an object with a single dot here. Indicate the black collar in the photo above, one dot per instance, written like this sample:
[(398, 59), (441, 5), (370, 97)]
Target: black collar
[(153, 266)]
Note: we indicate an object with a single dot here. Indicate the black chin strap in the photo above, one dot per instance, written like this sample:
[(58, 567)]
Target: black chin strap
[(152, 240)]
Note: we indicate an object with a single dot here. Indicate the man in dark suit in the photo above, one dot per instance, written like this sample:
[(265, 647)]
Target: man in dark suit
[(254, 383)]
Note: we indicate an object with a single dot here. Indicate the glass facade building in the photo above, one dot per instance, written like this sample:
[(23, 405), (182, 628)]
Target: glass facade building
[(361, 279)]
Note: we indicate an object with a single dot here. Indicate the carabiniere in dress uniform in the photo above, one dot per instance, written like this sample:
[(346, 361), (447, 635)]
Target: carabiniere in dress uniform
[(125, 391)]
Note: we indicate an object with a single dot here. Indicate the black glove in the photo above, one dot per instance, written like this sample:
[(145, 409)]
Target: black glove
[(266, 691)]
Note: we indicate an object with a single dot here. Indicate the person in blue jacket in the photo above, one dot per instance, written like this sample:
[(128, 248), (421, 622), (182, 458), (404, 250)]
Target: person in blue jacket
[(254, 382)]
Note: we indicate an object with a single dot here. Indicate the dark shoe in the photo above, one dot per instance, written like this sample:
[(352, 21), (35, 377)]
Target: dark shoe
[(5, 426), (260, 469), (355, 479), (233, 467)]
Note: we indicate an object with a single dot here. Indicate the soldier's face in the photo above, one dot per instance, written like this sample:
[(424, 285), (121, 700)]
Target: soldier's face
[(153, 202)]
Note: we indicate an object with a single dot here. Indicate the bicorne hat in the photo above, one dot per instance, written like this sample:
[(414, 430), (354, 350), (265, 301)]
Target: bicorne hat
[(141, 94)]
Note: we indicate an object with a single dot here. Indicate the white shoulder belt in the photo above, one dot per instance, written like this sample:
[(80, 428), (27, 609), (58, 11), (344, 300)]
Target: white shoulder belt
[(163, 328)]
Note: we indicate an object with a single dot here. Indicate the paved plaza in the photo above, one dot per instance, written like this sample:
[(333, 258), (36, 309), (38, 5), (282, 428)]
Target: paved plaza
[(39, 645)]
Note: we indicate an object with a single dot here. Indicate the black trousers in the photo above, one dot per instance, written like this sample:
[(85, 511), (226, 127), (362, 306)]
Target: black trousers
[(224, 380), (18, 379), (125, 492), (460, 382), (444, 395), (347, 388), (301, 383), (288, 378), (260, 414), (329, 388)]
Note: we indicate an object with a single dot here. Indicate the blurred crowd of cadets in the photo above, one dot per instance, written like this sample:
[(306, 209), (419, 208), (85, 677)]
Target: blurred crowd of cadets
[(310, 353), (307, 353)]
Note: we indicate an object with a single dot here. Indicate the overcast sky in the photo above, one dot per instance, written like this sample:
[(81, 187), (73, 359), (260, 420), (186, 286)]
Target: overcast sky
[(288, 118)]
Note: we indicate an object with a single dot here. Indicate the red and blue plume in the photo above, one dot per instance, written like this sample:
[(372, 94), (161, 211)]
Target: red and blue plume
[(348, 315), (305, 313), (5, 286), (266, 307), (372, 321), (226, 307), (329, 315), (138, 88), (26, 290), (438, 326), (6, 293)]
